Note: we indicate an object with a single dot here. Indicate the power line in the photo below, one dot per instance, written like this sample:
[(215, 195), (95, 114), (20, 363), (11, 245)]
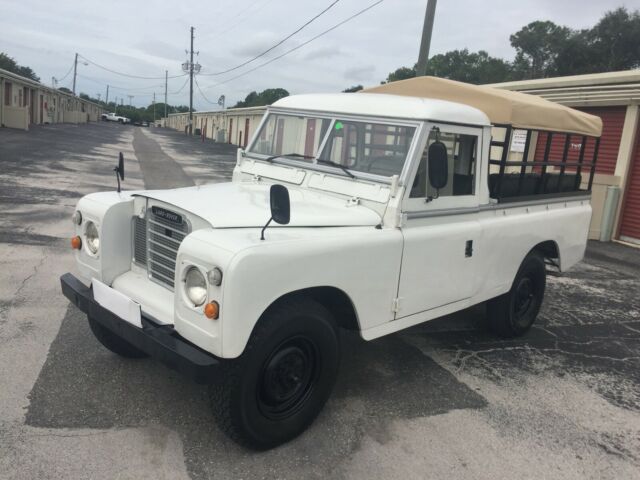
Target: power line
[(181, 88), (202, 93), (276, 45), (66, 74), (240, 13), (115, 87), (127, 74), (357, 14)]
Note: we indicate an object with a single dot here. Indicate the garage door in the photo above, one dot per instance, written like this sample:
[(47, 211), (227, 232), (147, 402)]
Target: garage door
[(630, 225), (612, 123)]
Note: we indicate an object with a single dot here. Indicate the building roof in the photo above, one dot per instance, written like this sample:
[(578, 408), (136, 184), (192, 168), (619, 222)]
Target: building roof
[(41, 86), (593, 89), (387, 106), (500, 106)]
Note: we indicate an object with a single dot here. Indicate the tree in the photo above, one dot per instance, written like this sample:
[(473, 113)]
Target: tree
[(615, 41), (471, 67), (8, 63), (354, 88), (401, 73), (537, 48), (266, 97)]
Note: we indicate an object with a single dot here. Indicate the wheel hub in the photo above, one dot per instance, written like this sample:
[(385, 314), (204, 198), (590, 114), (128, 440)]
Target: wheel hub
[(287, 378), (524, 296)]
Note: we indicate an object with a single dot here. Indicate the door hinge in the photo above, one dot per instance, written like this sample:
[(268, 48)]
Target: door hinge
[(395, 306)]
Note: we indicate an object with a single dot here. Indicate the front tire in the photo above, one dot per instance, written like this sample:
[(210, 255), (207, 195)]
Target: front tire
[(114, 343), (512, 314), (275, 390)]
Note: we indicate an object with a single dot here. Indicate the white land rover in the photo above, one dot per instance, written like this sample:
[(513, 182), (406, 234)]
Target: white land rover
[(384, 209)]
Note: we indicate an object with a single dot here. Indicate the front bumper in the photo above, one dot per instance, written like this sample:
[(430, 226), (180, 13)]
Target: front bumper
[(158, 341)]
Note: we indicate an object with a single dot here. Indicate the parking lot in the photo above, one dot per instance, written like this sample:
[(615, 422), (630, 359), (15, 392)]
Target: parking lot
[(445, 399)]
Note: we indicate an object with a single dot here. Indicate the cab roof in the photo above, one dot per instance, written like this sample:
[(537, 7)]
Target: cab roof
[(518, 109), (381, 105)]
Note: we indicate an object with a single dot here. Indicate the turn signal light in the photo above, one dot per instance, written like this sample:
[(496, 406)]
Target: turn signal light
[(212, 310), (76, 243)]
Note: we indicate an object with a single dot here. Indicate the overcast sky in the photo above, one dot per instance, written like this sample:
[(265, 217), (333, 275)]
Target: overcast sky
[(147, 38)]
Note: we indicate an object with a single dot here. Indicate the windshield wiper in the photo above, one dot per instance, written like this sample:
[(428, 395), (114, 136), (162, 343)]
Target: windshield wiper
[(296, 155), (337, 165), (310, 157)]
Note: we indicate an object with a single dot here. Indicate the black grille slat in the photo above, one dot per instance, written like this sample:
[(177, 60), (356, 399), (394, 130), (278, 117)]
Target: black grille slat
[(156, 243), (140, 240), (163, 261)]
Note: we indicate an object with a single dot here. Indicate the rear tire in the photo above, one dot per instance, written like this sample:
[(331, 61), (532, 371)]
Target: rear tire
[(277, 387), (512, 314), (114, 343)]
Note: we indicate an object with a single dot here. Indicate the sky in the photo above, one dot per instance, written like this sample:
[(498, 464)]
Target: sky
[(146, 38)]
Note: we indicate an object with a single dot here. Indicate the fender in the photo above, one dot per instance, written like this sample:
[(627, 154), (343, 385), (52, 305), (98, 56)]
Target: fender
[(258, 273)]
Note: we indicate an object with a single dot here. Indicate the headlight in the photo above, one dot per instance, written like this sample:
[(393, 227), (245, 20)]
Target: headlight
[(92, 237), (215, 276), (76, 217), (195, 286)]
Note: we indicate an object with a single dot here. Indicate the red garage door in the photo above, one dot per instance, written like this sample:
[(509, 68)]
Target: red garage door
[(630, 225), (612, 123)]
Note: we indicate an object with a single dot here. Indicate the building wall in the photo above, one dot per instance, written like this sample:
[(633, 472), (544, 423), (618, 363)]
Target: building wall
[(228, 126), (24, 102)]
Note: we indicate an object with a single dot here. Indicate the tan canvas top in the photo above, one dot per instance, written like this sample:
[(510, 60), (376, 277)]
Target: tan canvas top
[(501, 106)]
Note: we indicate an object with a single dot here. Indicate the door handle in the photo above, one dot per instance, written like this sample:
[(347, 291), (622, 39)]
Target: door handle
[(468, 248)]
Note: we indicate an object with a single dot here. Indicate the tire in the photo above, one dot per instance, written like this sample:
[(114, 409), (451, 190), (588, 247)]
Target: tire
[(277, 387), (114, 343), (512, 314)]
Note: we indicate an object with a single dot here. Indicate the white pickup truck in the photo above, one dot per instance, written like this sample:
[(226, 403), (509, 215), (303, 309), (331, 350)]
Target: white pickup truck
[(112, 117), (371, 211)]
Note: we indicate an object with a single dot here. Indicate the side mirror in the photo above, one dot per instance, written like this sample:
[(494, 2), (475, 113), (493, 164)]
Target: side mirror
[(121, 166), (280, 205), (119, 170), (438, 162)]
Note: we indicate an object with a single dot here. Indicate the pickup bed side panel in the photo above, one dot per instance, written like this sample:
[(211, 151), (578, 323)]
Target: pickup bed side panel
[(365, 265), (509, 234)]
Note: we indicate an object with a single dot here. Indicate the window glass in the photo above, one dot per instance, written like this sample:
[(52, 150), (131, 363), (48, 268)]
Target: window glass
[(7, 93), (368, 147), (288, 134), (461, 153)]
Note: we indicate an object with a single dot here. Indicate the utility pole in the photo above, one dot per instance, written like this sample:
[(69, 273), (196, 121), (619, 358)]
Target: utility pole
[(154, 107), (130, 98), (106, 100), (98, 95), (75, 70), (166, 81), (190, 86), (425, 44)]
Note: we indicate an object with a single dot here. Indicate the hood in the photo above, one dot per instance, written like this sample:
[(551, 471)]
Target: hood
[(229, 205)]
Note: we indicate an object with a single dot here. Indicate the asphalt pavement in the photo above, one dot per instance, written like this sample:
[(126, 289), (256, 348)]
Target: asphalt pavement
[(446, 399)]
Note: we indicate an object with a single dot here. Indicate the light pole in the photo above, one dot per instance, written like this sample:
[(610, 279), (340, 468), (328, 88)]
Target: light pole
[(75, 72), (425, 43), (192, 69)]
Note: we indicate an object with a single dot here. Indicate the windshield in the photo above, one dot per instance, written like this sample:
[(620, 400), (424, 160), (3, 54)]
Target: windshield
[(374, 148), (290, 135)]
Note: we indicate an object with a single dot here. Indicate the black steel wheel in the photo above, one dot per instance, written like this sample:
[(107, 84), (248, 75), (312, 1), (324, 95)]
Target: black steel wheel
[(288, 377), (277, 387), (513, 313)]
